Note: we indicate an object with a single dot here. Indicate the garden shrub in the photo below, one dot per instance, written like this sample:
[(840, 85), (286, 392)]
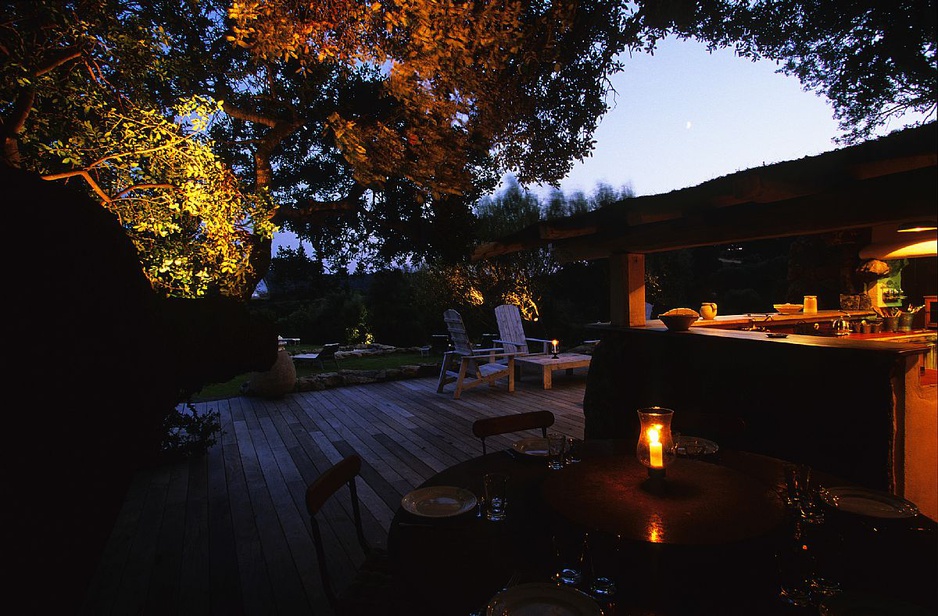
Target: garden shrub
[(189, 433)]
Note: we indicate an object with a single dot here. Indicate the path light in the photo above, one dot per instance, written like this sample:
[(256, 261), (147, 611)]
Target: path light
[(655, 448)]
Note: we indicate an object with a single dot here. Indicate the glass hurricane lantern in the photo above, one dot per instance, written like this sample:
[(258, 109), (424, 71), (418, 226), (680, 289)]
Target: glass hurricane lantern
[(655, 447)]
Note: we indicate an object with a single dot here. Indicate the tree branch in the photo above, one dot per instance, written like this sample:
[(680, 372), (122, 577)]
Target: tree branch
[(81, 172), (61, 57), (97, 189), (315, 210), (247, 116)]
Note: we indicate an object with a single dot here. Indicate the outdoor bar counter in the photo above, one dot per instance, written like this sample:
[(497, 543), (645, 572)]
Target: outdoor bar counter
[(863, 407)]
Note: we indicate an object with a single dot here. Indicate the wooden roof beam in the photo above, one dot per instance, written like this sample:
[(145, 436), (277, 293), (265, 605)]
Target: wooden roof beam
[(884, 199)]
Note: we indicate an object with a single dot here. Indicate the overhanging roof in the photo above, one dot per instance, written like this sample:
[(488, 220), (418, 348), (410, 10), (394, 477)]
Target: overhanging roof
[(888, 180)]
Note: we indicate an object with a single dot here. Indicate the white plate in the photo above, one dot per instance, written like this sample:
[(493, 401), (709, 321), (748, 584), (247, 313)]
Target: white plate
[(694, 446), (872, 503), (542, 599), (439, 501), (531, 446)]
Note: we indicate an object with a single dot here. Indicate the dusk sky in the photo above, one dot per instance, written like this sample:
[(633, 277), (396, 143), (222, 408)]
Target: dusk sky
[(685, 116)]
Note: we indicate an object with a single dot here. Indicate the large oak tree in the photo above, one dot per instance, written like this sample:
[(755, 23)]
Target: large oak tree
[(370, 126)]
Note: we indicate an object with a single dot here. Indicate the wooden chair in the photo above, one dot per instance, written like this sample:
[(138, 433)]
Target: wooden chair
[(504, 424), (372, 589), (470, 367), (511, 332), (326, 353)]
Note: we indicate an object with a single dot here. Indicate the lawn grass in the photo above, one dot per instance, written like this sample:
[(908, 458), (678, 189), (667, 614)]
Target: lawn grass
[(232, 388)]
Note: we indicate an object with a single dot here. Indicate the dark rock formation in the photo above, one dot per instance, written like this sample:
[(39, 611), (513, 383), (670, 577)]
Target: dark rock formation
[(98, 360)]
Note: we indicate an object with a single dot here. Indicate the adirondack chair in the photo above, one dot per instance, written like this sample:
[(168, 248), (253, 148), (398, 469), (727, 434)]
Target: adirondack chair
[(327, 353), (511, 333), (470, 367)]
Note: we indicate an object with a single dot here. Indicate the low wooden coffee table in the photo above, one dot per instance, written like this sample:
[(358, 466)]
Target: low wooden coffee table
[(547, 363)]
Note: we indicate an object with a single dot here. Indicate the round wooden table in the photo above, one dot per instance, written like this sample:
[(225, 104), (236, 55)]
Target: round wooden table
[(696, 503), (704, 542)]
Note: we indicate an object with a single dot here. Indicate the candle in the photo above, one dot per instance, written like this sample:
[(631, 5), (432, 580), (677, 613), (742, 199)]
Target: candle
[(554, 344), (654, 449)]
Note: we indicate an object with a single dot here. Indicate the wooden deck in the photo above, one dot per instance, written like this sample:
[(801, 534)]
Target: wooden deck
[(228, 533)]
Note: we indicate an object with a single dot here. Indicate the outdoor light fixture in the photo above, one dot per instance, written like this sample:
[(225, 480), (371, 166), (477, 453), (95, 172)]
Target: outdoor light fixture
[(902, 241), (913, 227)]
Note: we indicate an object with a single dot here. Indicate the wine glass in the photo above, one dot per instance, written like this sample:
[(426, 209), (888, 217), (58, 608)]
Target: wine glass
[(805, 559)]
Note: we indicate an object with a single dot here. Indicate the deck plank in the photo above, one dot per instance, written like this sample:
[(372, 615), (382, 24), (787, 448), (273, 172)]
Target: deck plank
[(228, 533)]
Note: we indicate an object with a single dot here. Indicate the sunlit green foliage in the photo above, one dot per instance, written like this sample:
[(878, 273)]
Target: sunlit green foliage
[(185, 211), (75, 92)]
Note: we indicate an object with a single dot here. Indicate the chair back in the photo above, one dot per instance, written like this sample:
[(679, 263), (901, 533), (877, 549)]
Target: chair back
[(504, 424), (318, 494), (328, 350), (511, 328), (457, 332), (328, 354)]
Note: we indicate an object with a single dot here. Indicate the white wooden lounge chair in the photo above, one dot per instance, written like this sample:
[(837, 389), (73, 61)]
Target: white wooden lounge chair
[(511, 333), (470, 367)]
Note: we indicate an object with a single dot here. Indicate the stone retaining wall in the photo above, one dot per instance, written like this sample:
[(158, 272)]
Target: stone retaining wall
[(328, 380), (281, 379)]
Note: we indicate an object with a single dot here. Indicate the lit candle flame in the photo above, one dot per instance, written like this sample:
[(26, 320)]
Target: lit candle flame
[(656, 458)]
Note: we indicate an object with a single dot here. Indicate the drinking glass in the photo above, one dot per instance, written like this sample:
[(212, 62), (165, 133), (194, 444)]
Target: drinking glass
[(495, 489), (556, 445), (569, 552), (571, 456), (601, 563)]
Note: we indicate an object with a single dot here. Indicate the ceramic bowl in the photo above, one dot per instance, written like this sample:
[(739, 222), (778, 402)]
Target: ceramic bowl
[(788, 308), (678, 322)]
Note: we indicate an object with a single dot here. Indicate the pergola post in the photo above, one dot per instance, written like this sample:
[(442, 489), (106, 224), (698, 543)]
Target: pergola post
[(627, 289)]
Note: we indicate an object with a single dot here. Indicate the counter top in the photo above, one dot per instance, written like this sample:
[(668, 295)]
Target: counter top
[(905, 336), (901, 343), (768, 318)]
